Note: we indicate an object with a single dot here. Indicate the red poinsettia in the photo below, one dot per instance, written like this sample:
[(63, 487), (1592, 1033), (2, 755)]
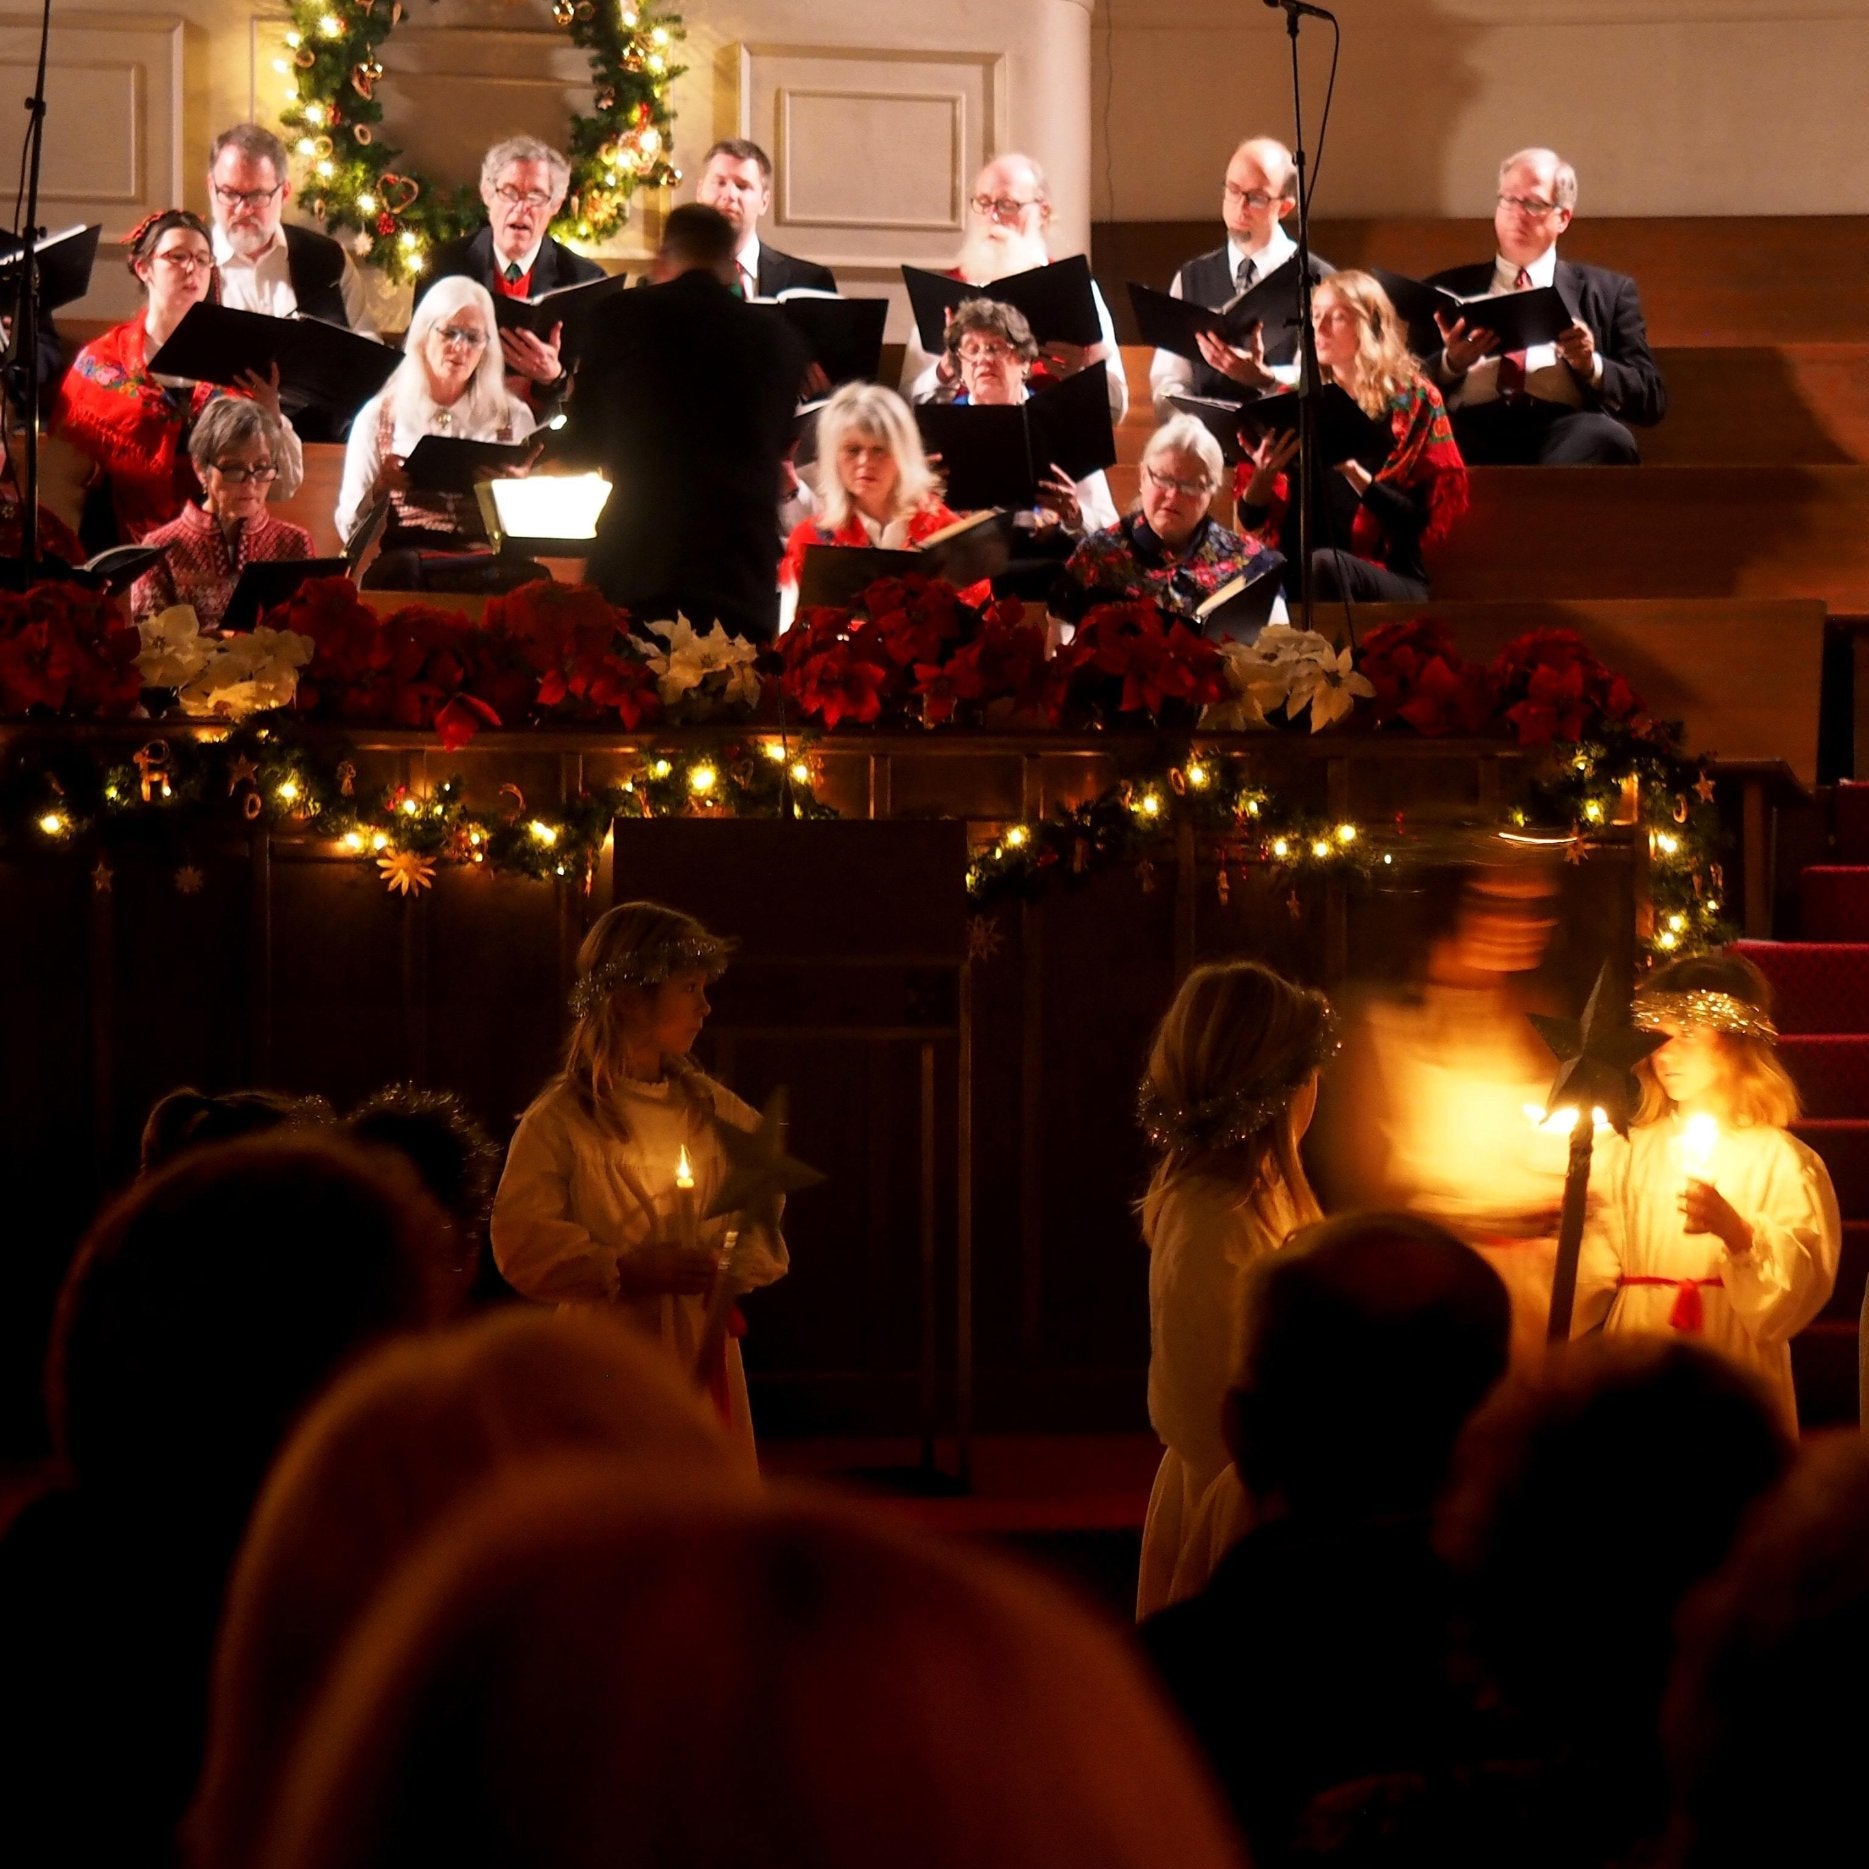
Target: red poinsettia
[(1551, 686), (1422, 680), (1154, 661), (839, 683), (67, 650), (1003, 665), (915, 618), (579, 648)]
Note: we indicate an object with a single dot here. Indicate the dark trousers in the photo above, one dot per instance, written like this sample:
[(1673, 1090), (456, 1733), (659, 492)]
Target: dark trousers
[(1337, 575), (1542, 434)]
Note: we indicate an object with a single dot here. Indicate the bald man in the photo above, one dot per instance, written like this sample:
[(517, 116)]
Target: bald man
[(1259, 196), (1007, 215), (1568, 404)]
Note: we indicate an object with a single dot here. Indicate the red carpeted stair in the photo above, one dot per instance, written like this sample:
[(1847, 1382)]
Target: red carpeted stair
[(1822, 986)]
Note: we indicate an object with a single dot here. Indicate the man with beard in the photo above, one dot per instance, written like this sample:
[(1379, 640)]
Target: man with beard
[(1007, 215)]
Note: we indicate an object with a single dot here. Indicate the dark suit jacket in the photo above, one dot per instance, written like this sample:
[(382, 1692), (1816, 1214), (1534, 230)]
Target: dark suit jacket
[(1631, 389), (1208, 280), (315, 264), (473, 257), (779, 272), (686, 401)]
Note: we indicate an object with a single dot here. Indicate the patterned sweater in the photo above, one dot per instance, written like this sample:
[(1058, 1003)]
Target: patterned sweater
[(200, 569)]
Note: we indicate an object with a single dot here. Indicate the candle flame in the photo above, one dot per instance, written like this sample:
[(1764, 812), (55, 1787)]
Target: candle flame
[(1699, 1136), (1561, 1121), (684, 1174)]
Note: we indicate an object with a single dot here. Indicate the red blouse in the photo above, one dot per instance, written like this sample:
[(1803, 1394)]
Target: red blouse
[(112, 409), (199, 570), (922, 524)]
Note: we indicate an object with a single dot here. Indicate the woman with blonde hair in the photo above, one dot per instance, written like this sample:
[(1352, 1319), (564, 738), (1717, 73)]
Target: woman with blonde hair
[(1713, 1219), (1229, 1091), (382, 1459), (589, 1210), (874, 485), (572, 1676), (1382, 514), (451, 382)]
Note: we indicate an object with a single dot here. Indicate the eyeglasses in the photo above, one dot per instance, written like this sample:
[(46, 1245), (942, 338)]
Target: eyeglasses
[(521, 197), (1000, 207), (985, 353), (1248, 197), (250, 198), (237, 475), (467, 340), (1187, 489), (1534, 210), (186, 262)]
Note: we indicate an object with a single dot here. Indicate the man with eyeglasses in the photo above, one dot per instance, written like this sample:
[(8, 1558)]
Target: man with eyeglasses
[(1259, 195), (736, 182), (523, 183), (1007, 214), (1567, 404)]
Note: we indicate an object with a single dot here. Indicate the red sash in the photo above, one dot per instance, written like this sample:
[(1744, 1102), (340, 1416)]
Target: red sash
[(1688, 1313)]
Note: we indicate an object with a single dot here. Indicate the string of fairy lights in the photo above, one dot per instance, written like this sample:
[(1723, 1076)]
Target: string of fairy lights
[(278, 777), (351, 180)]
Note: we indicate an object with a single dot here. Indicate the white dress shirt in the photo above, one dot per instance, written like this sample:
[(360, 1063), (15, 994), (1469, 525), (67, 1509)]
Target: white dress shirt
[(1547, 376), (747, 260), (264, 283), (1172, 374)]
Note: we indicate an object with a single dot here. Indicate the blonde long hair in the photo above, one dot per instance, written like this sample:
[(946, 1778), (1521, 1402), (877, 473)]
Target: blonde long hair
[(870, 409), (628, 953), (1236, 1047), (1758, 1087), (1385, 366)]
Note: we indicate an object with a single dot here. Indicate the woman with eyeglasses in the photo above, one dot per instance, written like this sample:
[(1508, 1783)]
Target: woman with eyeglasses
[(134, 424), (235, 450), (1377, 524), (450, 382), (1170, 551), (874, 485)]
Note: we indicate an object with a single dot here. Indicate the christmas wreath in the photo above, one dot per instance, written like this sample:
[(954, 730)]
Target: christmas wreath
[(353, 181)]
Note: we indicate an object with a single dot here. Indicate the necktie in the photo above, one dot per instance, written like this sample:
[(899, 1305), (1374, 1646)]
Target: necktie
[(749, 286), (1512, 364), (1243, 275)]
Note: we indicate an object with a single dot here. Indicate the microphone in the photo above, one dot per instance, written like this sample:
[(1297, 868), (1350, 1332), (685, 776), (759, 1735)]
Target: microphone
[(1299, 6)]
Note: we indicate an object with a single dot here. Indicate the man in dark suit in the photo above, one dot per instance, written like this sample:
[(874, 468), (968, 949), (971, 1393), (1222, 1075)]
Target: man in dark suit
[(1567, 404), (1260, 194), (523, 183), (736, 181), (686, 401)]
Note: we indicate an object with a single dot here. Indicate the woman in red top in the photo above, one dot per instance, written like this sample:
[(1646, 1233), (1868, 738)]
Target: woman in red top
[(875, 487), (1380, 523), (134, 425)]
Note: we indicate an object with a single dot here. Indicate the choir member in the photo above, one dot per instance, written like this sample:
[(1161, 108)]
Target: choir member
[(1379, 522), (235, 449), (1010, 208), (135, 425), (1258, 197), (736, 182), (1566, 404)]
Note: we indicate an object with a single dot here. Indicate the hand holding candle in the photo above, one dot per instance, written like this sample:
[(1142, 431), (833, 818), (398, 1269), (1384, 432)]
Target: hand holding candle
[(1704, 1209)]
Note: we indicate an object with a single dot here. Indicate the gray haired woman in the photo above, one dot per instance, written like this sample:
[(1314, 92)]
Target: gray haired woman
[(237, 448)]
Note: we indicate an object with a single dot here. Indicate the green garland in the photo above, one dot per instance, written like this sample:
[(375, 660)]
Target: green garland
[(331, 117)]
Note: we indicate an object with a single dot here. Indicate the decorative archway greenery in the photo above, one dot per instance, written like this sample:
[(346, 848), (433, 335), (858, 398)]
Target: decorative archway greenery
[(349, 180)]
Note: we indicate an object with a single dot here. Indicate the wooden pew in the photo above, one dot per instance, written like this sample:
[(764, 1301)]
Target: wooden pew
[(314, 506), (1727, 280)]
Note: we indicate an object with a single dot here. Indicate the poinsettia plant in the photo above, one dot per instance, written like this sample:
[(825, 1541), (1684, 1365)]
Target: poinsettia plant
[(1130, 658), (585, 664), (1421, 680), (68, 651), (1551, 686)]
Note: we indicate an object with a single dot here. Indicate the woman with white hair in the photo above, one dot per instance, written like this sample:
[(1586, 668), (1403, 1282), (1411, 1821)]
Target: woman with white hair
[(1170, 551), (875, 486), (450, 382)]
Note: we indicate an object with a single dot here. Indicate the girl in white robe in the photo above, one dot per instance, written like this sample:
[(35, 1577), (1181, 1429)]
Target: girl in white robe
[(1230, 1087), (1712, 1220), (588, 1210)]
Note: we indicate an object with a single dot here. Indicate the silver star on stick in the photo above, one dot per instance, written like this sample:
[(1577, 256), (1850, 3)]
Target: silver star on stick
[(759, 1171)]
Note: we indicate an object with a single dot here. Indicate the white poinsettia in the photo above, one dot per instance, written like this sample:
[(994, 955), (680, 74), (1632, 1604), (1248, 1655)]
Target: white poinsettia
[(1328, 686), (707, 670), (247, 673), (174, 650), (1243, 707)]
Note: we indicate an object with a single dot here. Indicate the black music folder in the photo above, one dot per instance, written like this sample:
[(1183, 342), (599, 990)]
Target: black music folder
[(567, 305), (1220, 416), (844, 336), (1344, 432), (1241, 608), (1057, 301), (969, 551), (1522, 320), (1174, 324), (447, 464), (273, 581), (996, 456), (65, 262), (321, 364)]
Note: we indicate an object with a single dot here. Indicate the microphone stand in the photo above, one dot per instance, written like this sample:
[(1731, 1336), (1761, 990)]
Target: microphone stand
[(25, 346), (1308, 381)]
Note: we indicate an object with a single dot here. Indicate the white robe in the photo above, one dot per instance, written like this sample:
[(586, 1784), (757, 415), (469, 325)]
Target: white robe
[(1762, 1300), (1202, 1245), (575, 1200)]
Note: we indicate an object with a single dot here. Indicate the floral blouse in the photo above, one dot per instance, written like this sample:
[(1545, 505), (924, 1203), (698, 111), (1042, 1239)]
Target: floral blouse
[(1128, 562)]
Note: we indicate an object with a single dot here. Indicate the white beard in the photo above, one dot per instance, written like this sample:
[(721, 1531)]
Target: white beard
[(995, 252)]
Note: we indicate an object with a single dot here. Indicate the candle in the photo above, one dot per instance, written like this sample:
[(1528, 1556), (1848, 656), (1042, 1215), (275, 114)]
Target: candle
[(1561, 1121), (684, 1201), (1699, 1136)]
